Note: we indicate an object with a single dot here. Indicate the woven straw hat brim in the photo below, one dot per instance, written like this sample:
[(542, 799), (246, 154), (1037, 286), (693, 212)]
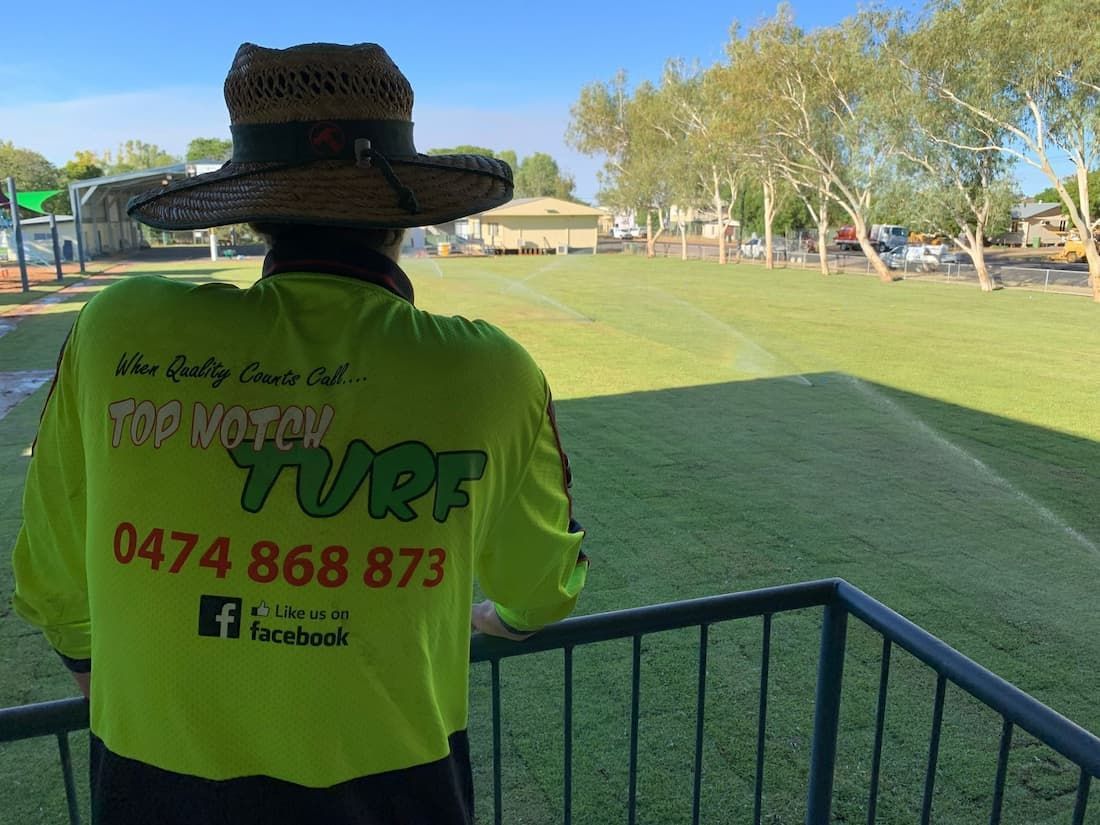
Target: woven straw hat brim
[(330, 193)]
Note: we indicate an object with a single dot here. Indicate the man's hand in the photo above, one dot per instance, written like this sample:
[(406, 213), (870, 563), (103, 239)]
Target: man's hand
[(484, 619), (84, 682)]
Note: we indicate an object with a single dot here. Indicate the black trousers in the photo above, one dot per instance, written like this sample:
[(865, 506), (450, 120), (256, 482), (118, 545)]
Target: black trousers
[(128, 792)]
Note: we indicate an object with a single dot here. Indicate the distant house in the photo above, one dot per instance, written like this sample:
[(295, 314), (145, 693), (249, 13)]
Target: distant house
[(606, 222), (703, 222), (1037, 223), (536, 224)]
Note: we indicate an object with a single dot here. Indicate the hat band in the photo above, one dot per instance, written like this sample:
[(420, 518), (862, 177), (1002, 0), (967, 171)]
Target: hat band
[(306, 141)]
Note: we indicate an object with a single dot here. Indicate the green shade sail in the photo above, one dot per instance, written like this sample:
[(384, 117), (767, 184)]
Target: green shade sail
[(30, 200), (34, 200)]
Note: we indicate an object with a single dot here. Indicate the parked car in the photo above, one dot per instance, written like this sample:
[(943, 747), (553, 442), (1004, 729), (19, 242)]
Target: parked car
[(626, 233), (754, 248), (895, 257), (919, 257), (949, 255)]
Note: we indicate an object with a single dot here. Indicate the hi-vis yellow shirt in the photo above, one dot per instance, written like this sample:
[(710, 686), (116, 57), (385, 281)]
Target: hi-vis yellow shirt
[(261, 512)]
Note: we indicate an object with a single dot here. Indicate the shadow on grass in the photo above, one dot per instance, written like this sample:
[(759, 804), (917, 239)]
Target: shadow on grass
[(979, 528), (38, 290)]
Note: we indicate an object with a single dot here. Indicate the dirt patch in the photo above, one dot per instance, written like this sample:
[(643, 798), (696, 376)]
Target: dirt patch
[(11, 281), (15, 386)]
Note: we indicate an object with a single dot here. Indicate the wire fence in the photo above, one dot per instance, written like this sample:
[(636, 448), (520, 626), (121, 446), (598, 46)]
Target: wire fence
[(797, 256)]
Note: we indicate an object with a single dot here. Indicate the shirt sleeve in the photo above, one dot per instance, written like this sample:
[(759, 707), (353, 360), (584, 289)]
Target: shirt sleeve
[(531, 565), (51, 589)]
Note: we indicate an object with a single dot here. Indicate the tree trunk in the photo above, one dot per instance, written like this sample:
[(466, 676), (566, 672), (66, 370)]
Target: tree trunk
[(880, 267), (985, 280), (1081, 224), (973, 247), (650, 239), (822, 243), (1087, 238), (823, 235), (683, 241), (725, 220), (1080, 220), (1093, 257), (718, 213), (769, 217)]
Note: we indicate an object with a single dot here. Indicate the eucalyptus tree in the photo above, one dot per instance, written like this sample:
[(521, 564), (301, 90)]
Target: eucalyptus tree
[(820, 103), (749, 140), (817, 201), (658, 109), (699, 107), (1029, 73), (949, 189), (608, 120)]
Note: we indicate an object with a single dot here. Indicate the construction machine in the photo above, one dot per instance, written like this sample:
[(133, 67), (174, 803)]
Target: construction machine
[(1073, 250)]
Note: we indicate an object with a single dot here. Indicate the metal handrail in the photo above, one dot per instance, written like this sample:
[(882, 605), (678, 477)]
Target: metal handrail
[(839, 600), (638, 621), (1059, 733)]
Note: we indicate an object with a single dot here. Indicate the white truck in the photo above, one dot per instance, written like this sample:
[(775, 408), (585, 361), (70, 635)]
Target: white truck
[(884, 236)]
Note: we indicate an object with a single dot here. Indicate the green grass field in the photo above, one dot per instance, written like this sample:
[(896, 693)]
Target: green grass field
[(733, 428)]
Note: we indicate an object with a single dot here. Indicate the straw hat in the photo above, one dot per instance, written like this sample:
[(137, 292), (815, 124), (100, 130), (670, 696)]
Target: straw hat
[(322, 134)]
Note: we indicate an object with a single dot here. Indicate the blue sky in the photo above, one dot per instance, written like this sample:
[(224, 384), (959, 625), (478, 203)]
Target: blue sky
[(497, 74)]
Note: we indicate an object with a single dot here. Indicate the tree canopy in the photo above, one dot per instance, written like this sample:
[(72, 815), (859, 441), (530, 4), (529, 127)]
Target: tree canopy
[(134, 155), (536, 175), (30, 169), (203, 148)]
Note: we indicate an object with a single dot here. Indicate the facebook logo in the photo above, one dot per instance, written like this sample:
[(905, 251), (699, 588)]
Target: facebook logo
[(220, 616)]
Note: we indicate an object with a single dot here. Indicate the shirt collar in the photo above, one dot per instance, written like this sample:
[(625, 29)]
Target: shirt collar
[(338, 257)]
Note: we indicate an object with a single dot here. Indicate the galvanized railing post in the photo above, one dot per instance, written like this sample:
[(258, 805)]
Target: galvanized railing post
[(700, 713), (1082, 798), (880, 727), (567, 766), (762, 719), (635, 691), (830, 676), (67, 775), (498, 806)]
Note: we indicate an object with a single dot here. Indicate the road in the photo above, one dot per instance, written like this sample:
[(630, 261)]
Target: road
[(1011, 266)]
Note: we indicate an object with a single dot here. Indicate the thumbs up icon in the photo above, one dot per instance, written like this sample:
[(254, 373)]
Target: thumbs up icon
[(261, 609)]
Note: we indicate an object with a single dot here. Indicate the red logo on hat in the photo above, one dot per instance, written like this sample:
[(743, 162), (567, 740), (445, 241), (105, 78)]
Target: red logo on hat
[(327, 139)]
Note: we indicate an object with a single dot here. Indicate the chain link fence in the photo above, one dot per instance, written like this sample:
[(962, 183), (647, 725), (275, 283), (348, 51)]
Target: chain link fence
[(798, 251)]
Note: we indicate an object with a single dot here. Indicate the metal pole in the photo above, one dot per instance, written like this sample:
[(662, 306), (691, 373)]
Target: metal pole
[(17, 233), (830, 676), (213, 246), (74, 200), (67, 775), (56, 246), (1047, 281)]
